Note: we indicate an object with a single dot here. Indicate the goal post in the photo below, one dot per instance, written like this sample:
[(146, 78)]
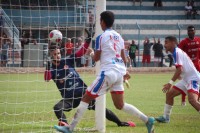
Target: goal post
[(100, 101)]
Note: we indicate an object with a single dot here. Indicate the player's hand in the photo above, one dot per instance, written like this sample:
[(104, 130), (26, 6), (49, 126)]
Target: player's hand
[(127, 83), (166, 87), (89, 51), (126, 78), (90, 35)]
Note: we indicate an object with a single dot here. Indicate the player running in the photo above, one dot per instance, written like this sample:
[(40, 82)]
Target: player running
[(189, 83), (70, 85), (191, 45), (110, 53)]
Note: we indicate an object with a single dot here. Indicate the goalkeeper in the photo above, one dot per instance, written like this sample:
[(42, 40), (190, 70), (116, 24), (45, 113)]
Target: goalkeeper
[(70, 85)]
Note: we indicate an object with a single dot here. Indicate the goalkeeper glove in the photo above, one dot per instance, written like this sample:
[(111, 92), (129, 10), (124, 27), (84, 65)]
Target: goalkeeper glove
[(90, 35)]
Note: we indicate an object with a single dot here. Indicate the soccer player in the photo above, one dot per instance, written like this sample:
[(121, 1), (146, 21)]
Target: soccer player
[(70, 85), (189, 83), (110, 53), (191, 45)]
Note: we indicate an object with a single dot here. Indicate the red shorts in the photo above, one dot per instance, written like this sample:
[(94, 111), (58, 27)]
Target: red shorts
[(146, 58)]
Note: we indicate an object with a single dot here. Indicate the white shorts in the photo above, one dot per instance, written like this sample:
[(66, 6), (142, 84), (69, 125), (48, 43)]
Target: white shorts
[(185, 87), (107, 80)]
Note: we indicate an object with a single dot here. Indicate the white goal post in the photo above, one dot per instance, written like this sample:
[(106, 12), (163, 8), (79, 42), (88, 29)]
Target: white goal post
[(100, 101)]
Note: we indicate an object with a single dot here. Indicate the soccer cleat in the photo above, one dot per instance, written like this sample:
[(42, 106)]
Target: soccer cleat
[(150, 124), (162, 119), (131, 124), (127, 124), (62, 123), (63, 129)]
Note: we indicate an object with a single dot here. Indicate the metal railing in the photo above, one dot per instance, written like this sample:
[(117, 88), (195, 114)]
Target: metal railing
[(9, 28)]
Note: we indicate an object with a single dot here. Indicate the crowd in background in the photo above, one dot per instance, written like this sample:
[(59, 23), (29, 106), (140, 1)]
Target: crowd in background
[(132, 54), (190, 9), (35, 4)]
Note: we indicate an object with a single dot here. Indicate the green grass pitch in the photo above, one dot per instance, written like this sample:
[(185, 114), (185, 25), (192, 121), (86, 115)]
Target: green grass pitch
[(26, 105)]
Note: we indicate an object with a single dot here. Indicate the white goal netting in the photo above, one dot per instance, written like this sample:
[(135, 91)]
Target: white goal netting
[(26, 100)]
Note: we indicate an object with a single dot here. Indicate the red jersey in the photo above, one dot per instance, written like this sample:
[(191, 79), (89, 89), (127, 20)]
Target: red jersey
[(192, 48), (69, 48)]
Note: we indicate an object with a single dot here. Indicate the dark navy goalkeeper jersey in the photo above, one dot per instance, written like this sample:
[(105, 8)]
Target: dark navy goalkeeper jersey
[(67, 79)]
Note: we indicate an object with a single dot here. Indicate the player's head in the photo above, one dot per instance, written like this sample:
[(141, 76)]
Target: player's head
[(107, 19), (55, 53), (170, 43), (191, 31), (68, 40)]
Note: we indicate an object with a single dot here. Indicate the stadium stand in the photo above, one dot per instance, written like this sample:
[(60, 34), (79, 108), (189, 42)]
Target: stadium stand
[(153, 22)]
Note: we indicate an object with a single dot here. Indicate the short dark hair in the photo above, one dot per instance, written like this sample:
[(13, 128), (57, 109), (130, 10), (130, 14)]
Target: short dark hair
[(53, 47), (171, 38), (108, 17), (190, 27)]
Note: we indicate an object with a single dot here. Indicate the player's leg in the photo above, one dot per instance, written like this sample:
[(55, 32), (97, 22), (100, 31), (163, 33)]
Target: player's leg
[(78, 115), (193, 100), (112, 116), (117, 91), (177, 89), (132, 110), (193, 92), (59, 108), (98, 86), (183, 100)]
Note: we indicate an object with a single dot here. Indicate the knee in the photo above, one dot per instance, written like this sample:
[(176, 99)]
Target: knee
[(169, 96), (119, 106), (192, 101), (56, 107)]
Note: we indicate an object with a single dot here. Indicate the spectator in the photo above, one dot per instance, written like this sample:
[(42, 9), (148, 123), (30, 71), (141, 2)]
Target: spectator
[(69, 46), (188, 10), (77, 47), (1, 24), (158, 53), (158, 3), (170, 60), (137, 1), (127, 45), (4, 52), (87, 61), (146, 58), (24, 41), (194, 9), (132, 50)]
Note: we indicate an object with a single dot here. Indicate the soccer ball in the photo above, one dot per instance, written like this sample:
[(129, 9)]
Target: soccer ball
[(55, 36)]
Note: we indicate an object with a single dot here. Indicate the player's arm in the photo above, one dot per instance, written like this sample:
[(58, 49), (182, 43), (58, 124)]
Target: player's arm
[(173, 79), (97, 54), (123, 56), (85, 46)]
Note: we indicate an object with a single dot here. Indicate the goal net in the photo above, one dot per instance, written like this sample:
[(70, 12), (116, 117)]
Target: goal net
[(26, 101)]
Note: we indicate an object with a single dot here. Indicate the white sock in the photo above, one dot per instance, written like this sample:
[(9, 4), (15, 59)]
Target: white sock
[(78, 115), (132, 110), (167, 110)]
